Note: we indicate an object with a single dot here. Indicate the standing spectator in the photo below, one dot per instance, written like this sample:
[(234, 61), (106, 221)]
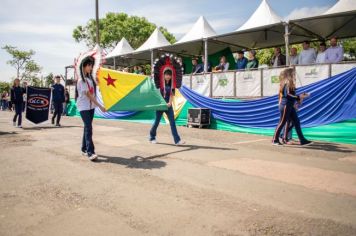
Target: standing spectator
[(6, 101), (17, 93), (293, 58), (278, 58), (223, 66), (57, 100), (203, 63), (308, 55), (66, 102), (241, 61), (335, 53), (252, 60), (321, 58), (197, 68), (2, 104)]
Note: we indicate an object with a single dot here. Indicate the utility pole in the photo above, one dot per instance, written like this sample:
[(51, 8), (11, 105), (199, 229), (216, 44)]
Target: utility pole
[(97, 20)]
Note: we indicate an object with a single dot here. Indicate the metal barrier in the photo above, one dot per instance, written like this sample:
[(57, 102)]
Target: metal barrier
[(260, 82)]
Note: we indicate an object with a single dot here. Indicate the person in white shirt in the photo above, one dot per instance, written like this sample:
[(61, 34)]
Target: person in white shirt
[(223, 66), (335, 53), (293, 58), (321, 58), (308, 55), (86, 103)]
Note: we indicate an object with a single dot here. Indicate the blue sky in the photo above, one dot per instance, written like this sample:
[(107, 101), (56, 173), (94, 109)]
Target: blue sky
[(46, 25)]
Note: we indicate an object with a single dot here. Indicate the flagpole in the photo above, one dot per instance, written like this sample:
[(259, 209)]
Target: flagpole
[(97, 20)]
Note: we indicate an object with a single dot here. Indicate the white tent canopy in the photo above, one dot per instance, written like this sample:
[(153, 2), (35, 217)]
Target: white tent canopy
[(264, 15), (156, 40), (200, 30), (342, 6), (123, 47)]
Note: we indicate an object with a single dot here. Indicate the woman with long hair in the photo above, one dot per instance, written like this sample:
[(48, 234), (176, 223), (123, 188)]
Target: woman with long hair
[(287, 100), (17, 94), (86, 103)]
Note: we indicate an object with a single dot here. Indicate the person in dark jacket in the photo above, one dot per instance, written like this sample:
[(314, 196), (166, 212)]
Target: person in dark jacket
[(57, 100), (241, 62), (17, 93), (197, 68), (278, 58)]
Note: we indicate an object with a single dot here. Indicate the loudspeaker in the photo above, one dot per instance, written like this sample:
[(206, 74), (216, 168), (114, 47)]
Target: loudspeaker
[(198, 117)]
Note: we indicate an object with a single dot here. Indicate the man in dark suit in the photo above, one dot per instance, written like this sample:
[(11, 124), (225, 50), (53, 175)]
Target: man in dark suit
[(278, 58), (197, 68)]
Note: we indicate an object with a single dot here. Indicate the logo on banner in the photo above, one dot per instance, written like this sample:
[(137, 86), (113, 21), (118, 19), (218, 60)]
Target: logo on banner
[(275, 79), (38, 102), (247, 77), (313, 73), (200, 80), (222, 80)]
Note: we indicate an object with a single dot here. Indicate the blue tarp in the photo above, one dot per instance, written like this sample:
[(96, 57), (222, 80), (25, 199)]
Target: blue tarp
[(332, 100)]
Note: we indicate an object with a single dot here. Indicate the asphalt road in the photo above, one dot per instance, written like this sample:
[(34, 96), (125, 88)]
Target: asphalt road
[(219, 183)]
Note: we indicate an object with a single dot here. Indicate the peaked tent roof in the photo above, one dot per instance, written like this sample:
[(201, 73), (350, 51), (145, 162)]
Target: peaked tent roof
[(342, 6), (200, 30), (264, 15), (123, 47), (156, 40)]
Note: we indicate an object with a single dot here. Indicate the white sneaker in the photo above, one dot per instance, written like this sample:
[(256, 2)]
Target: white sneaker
[(93, 157), (181, 142), (84, 154), (154, 141)]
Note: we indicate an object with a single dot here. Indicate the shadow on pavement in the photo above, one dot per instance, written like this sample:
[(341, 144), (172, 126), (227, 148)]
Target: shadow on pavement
[(139, 162), (136, 162), (50, 127), (329, 147), (7, 133)]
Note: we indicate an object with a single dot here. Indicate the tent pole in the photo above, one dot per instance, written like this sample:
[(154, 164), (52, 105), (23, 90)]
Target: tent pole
[(205, 55), (286, 39), (152, 62), (114, 63)]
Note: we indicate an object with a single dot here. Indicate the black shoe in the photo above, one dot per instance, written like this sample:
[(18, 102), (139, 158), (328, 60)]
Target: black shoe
[(276, 143), (58, 125), (306, 143)]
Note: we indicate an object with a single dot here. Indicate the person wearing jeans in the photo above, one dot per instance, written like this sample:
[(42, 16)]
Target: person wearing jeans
[(168, 94), (87, 141), (86, 103)]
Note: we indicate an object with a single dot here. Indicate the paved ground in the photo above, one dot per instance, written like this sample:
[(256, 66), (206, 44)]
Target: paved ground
[(220, 183)]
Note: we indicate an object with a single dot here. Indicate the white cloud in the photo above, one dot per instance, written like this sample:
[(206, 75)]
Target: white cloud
[(306, 12), (35, 29)]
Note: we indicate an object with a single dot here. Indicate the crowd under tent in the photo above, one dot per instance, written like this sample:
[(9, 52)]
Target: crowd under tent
[(264, 29)]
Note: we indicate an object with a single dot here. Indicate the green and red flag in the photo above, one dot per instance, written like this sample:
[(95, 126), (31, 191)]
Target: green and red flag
[(128, 92)]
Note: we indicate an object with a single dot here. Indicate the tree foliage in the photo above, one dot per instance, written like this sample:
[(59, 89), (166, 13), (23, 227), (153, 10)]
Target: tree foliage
[(4, 86), (114, 26), (31, 73), (49, 80), (19, 58)]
